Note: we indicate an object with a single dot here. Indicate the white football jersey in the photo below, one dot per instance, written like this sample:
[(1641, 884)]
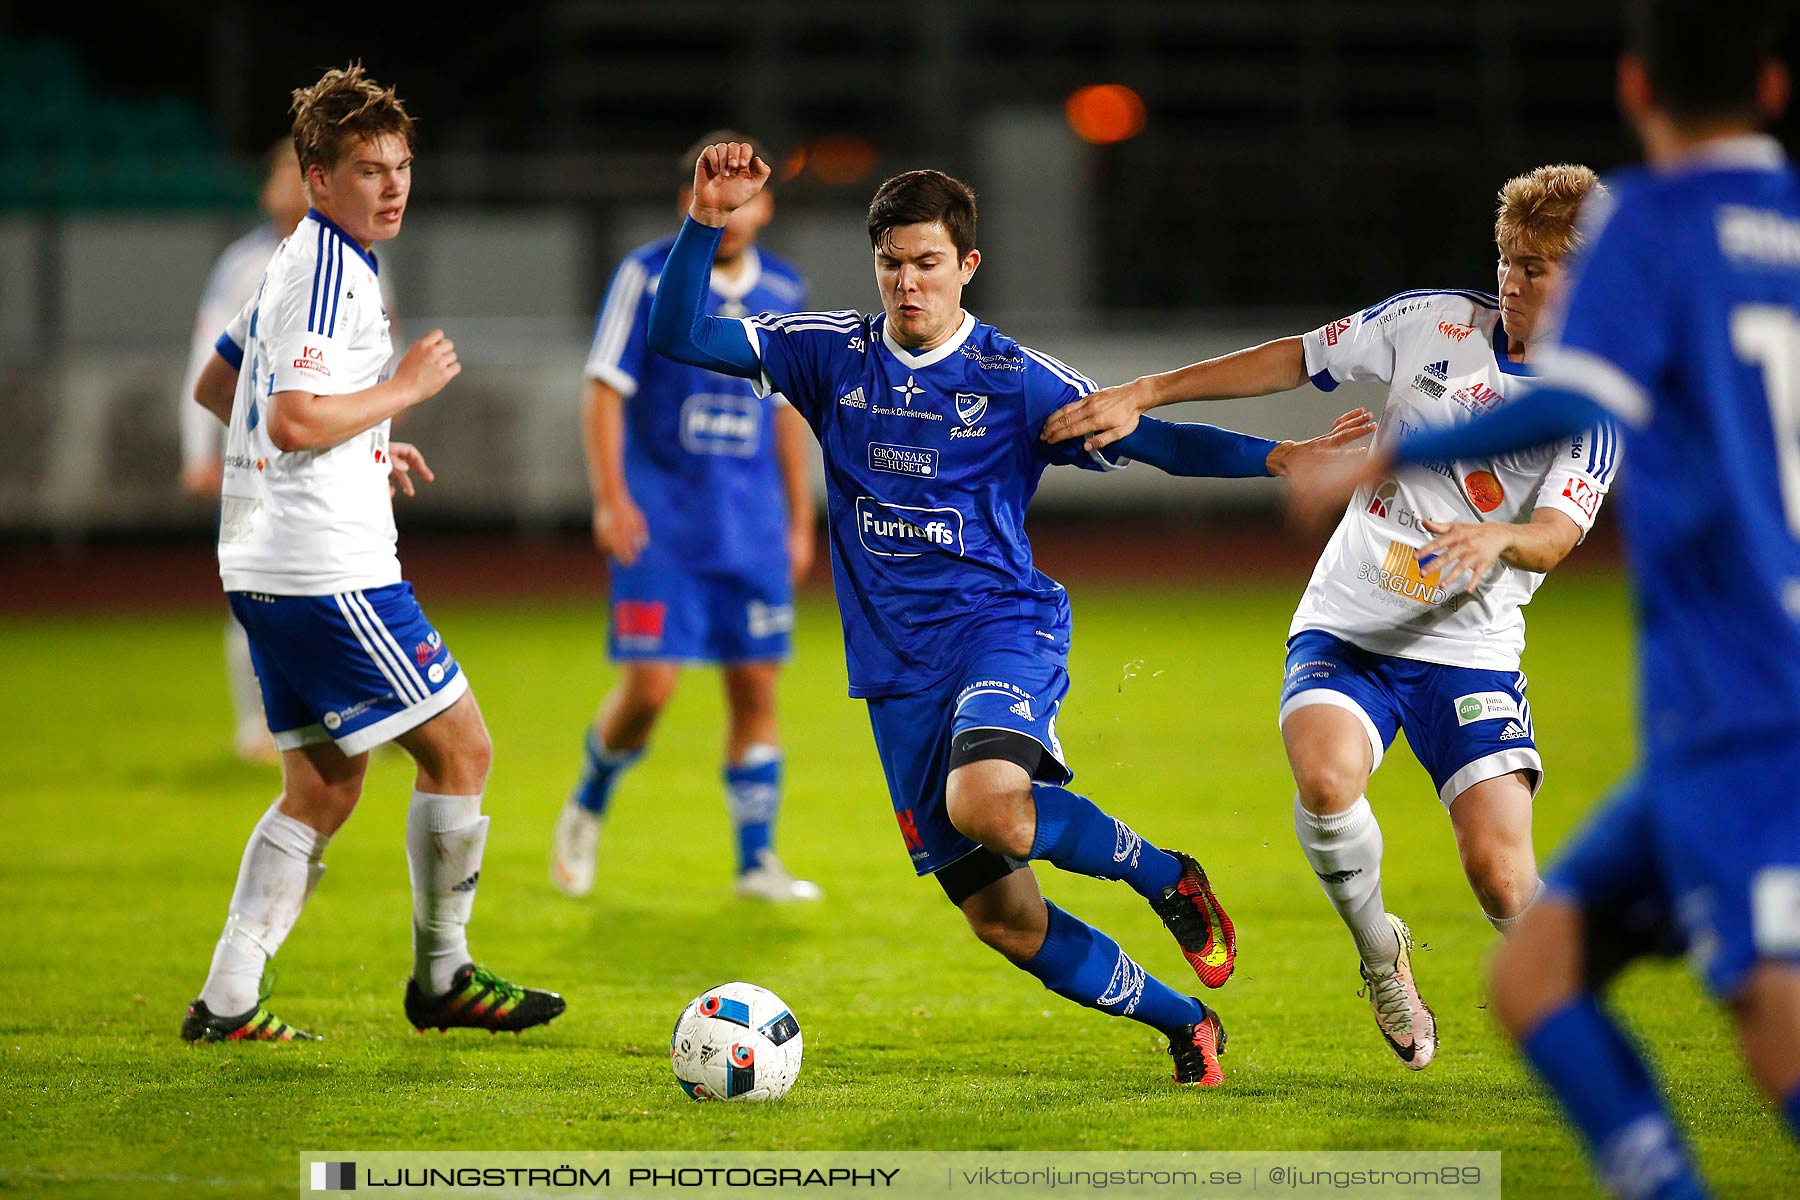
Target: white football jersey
[(233, 280), (307, 522), (1443, 356)]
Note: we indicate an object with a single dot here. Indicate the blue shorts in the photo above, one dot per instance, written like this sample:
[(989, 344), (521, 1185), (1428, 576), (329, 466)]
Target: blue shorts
[(1464, 724), (663, 611), (1699, 856), (1000, 689), (358, 668)]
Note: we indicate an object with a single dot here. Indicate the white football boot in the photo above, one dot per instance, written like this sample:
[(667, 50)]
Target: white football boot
[(1404, 1020), (572, 850), (769, 880)]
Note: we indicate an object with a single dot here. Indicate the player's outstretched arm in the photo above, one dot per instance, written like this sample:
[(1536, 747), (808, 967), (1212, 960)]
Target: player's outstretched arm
[(1196, 450), (303, 421), (1105, 416), (726, 176)]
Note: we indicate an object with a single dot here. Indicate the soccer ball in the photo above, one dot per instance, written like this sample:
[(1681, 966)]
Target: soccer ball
[(736, 1042)]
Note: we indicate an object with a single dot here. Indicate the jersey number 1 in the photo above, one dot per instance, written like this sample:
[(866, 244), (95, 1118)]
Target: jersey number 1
[(1769, 336)]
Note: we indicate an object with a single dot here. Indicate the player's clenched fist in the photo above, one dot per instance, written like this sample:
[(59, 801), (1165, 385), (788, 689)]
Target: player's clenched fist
[(726, 176), (428, 365)]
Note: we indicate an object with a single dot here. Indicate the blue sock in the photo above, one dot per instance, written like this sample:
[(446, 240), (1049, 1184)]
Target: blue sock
[(1790, 1108), (600, 770), (1073, 834), (1080, 963), (1608, 1093), (753, 794)]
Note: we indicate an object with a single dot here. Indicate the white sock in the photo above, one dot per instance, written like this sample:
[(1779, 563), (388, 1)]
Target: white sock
[(444, 839), (240, 673), (280, 869), (1505, 924), (1345, 852)]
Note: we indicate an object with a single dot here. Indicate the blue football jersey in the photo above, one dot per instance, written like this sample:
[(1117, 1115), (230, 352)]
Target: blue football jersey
[(930, 461), (699, 447), (1683, 319)]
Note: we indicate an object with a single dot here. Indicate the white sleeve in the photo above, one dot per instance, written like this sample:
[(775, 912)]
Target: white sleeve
[(308, 351), (616, 356), (1581, 474), (1355, 347)]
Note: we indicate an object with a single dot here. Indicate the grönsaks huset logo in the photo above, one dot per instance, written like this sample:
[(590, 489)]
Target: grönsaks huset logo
[(334, 1177), (921, 461), (907, 531)]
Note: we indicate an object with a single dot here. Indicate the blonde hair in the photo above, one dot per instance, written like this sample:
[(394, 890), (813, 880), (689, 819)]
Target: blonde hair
[(345, 106), (1538, 209)]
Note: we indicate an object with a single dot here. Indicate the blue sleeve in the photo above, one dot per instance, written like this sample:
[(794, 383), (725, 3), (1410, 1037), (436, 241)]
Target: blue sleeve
[(230, 351), (1539, 417), (1196, 450), (679, 326)]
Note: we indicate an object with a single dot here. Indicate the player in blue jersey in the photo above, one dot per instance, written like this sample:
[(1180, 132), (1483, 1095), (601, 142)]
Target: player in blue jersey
[(1683, 323), (703, 507), (928, 420)]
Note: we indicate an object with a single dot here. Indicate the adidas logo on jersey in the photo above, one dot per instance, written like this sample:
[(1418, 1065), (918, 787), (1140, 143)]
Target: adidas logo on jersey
[(854, 399), (1513, 732), (1439, 369), (1023, 709)]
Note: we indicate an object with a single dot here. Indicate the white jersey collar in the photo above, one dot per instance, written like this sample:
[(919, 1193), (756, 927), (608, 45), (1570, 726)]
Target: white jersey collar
[(1746, 152), (746, 281), (918, 362)]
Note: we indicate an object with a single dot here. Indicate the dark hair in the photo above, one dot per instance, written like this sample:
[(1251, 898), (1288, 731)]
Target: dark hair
[(685, 169), (343, 107), (1704, 56), (918, 198)]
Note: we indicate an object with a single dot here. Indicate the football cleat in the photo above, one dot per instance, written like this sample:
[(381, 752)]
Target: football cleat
[(572, 849), (257, 1025), (1405, 1021), (1197, 919), (1196, 1050), (770, 880), (480, 999)]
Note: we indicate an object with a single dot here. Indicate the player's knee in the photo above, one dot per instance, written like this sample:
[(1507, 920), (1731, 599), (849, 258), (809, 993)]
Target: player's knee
[(1327, 783), (647, 691), (992, 815)]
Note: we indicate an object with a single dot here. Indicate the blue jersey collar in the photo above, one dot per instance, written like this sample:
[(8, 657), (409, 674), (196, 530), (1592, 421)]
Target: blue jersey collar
[(349, 241), (1507, 366), (918, 362)]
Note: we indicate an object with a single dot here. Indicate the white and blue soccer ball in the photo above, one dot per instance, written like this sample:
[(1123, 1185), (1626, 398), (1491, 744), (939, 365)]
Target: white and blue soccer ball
[(736, 1042)]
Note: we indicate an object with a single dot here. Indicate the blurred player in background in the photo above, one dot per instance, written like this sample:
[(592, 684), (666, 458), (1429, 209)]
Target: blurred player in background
[(928, 420), (232, 282), (1385, 639), (345, 657), (1683, 322), (703, 507)]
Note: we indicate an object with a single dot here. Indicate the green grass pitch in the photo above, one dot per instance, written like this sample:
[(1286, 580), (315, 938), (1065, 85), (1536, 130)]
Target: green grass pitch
[(124, 816)]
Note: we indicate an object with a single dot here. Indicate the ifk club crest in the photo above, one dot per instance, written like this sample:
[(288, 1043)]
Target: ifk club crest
[(970, 407)]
